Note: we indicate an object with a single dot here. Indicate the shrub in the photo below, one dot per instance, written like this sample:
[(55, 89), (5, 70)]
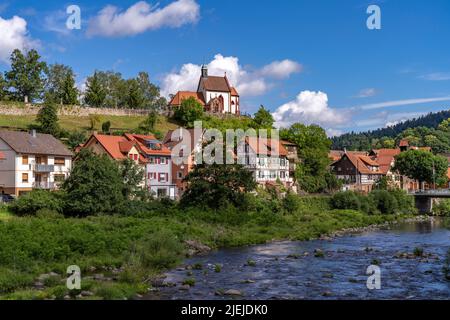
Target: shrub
[(346, 200), (46, 213), (159, 250), (384, 201), (36, 200), (442, 208), (290, 203)]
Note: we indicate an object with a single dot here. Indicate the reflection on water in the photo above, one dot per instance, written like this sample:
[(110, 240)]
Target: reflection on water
[(290, 270)]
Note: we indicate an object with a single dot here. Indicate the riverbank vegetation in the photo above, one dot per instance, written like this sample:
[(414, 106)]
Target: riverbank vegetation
[(118, 255)]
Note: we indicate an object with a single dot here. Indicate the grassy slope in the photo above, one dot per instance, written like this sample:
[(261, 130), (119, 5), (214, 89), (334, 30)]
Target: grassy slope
[(72, 123), (31, 246)]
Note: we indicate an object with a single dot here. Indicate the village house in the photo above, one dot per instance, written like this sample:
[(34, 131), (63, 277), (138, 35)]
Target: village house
[(214, 93), (32, 161), (361, 170), (146, 151), (187, 150), (268, 160), (358, 171)]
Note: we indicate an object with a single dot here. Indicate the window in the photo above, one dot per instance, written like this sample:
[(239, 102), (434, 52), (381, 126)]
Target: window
[(59, 178), (180, 175), (25, 177), (24, 159), (282, 174), (163, 177), (163, 160), (152, 175), (162, 193), (135, 157), (60, 161)]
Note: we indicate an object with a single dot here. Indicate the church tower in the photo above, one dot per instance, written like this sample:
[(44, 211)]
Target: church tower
[(204, 71)]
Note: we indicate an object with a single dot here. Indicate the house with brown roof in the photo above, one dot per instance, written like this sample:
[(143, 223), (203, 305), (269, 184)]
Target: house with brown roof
[(32, 161), (146, 151), (215, 94), (358, 171)]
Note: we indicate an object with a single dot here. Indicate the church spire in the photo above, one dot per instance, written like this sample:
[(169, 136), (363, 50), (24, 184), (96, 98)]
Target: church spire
[(204, 71)]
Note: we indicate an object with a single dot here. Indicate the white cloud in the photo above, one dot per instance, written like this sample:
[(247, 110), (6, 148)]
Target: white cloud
[(309, 107), (14, 35), (248, 83), (437, 76), (141, 17), (281, 69), (397, 103), (366, 93)]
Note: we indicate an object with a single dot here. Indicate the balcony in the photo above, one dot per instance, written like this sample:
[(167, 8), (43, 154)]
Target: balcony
[(43, 185), (43, 168)]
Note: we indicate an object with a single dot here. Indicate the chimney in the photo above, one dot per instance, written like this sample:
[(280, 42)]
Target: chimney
[(204, 71), (33, 133)]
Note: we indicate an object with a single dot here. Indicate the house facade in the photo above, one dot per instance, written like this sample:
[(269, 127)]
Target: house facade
[(146, 151), (32, 161), (268, 160), (214, 93), (357, 170), (187, 143), (158, 165)]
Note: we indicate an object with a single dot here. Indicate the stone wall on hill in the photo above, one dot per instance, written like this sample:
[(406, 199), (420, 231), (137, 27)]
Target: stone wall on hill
[(79, 111)]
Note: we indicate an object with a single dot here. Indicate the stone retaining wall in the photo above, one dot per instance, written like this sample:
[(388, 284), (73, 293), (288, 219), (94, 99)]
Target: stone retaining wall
[(70, 111)]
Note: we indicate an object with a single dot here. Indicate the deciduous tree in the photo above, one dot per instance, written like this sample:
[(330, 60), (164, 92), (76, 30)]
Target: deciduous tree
[(422, 166), (27, 75), (95, 186)]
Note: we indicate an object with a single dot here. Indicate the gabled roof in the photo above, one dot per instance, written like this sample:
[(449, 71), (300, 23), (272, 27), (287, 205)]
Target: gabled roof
[(112, 145), (335, 155), (234, 92), (264, 146), (385, 158), (362, 162), (182, 95), (168, 142), (141, 140), (43, 144), (213, 83)]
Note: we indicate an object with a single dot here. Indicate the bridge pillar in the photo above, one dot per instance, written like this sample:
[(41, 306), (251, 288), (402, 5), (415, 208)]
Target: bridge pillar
[(424, 204)]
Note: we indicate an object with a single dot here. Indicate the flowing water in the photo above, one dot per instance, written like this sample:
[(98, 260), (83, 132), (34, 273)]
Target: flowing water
[(290, 270)]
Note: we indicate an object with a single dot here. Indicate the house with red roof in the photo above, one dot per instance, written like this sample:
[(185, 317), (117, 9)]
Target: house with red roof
[(146, 151), (214, 93)]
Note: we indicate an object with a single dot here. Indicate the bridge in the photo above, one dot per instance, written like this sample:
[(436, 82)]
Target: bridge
[(424, 198)]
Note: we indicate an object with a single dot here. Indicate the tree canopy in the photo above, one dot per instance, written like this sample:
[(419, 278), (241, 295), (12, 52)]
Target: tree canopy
[(189, 111), (263, 118), (217, 185), (95, 186), (422, 166), (27, 75)]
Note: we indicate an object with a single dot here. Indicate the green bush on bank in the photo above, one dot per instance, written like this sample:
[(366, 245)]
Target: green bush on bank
[(377, 201), (36, 200)]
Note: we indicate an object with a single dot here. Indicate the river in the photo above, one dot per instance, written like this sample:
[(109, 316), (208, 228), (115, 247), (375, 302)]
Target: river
[(291, 270)]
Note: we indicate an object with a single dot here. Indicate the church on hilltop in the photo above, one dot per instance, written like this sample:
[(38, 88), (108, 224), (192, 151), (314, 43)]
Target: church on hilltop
[(214, 93)]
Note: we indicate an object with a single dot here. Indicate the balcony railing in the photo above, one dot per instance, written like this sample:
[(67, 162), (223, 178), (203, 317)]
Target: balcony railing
[(44, 185), (43, 167)]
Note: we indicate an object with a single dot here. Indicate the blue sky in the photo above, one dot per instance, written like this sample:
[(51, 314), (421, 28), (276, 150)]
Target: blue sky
[(307, 61)]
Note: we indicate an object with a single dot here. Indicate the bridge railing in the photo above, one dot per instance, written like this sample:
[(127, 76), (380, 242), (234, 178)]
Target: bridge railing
[(430, 192)]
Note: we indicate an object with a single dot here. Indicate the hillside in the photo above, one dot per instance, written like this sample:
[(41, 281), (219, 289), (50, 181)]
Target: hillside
[(17, 116), (363, 140)]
